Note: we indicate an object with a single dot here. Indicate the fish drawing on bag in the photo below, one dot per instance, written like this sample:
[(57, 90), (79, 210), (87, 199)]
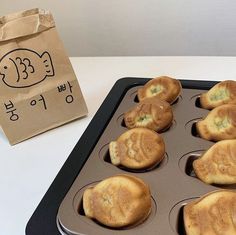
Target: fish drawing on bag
[(23, 67)]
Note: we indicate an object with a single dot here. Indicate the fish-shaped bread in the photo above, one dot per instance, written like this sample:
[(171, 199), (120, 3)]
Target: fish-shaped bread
[(219, 124), (218, 164), (212, 214), (118, 201), (164, 88), (23, 67), (151, 113), (138, 148), (222, 93)]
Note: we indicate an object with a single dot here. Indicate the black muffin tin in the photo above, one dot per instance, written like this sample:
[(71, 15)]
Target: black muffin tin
[(172, 183)]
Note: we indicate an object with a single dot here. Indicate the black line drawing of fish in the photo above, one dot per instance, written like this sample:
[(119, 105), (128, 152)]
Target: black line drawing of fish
[(24, 67)]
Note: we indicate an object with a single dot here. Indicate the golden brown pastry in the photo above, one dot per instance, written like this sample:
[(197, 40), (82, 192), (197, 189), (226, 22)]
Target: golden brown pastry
[(164, 88), (218, 164), (219, 124), (151, 113), (138, 148), (222, 93), (118, 201), (212, 214)]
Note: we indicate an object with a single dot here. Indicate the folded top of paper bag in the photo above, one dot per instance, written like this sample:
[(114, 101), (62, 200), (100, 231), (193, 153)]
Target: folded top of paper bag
[(14, 25)]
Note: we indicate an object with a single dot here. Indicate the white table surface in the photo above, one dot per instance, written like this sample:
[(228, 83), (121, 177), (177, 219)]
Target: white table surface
[(27, 169)]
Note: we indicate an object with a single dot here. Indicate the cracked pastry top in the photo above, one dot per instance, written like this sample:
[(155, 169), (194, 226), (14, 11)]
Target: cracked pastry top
[(222, 93), (219, 124), (164, 88), (151, 113)]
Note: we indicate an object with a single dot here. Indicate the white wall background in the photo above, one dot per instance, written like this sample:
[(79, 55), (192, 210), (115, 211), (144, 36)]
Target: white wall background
[(140, 27)]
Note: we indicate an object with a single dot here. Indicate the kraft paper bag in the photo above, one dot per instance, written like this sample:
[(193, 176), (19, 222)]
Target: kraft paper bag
[(38, 87)]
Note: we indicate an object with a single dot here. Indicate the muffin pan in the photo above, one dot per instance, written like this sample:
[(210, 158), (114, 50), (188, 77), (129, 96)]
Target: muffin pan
[(172, 182)]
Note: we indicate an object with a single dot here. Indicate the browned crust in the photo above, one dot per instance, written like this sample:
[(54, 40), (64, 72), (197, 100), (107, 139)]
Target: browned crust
[(218, 164), (202, 130), (198, 171), (171, 89), (196, 219), (229, 86), (204, 101), (119, 201), (219, 124), (158, 114), (138, 148)]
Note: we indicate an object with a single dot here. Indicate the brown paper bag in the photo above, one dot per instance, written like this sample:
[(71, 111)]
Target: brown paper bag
[(38, 87)]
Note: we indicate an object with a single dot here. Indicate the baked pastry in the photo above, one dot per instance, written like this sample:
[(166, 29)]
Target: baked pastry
[(151, 113), (222, 93), (164, 88), (218, 164), (212, 214), (219, 124), (118, 201), (138, 148)]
